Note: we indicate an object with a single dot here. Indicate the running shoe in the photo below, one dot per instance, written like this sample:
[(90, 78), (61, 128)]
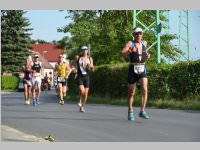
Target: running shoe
[(82, 109), (79, 104), (130, 115), (144, 115), (61, 102), (37, 101), (27, 102), (34, 102)]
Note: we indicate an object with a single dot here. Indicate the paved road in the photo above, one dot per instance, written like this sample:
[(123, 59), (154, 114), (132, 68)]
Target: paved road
[(100, 123)]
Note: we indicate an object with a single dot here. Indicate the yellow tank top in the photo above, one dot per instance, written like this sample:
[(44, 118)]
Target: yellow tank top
[(61, 70)]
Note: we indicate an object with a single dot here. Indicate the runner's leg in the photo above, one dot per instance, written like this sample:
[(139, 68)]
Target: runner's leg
[(131, 94), (60, 91), (82, 93), (25, 92), (143, 83), (39, 90), (85, 96)]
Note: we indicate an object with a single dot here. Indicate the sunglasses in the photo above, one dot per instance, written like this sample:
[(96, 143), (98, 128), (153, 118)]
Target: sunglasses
[(138, 33)]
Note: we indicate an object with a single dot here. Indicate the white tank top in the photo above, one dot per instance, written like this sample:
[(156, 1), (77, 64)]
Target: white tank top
[(82, 69)]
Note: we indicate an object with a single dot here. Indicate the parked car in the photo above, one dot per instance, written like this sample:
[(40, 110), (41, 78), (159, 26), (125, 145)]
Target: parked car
[(20, 86)]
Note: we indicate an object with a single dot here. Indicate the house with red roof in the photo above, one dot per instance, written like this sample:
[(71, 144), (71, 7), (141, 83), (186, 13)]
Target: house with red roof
[(49, 51)]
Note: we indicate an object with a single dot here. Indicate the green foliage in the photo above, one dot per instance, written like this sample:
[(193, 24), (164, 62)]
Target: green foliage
[(108, 31), (72, 85), (9, 82), (39, 41), (178, 81), (184, 79), (158, 81), (15, 40)]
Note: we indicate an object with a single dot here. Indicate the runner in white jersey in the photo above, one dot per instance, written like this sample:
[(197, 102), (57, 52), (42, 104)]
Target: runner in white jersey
[(84, 64), (36, 79)]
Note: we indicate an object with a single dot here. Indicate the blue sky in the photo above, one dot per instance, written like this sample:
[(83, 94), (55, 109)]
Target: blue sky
[(194, 31), (46, 22)]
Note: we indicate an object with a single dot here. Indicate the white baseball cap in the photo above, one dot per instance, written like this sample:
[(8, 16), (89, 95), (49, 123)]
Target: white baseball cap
[(36, 56), (84, 48), (135, 30)]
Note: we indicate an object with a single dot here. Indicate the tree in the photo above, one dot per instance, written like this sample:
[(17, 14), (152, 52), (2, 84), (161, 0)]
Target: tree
[(108, 31), (15, 40), (39, 41), (65, 44)]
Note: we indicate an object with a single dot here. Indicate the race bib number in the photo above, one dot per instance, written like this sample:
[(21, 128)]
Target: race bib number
[(61, 79), (138, 69)]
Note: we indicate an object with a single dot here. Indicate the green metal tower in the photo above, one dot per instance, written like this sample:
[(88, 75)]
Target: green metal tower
[(156, 23), (184, 42), (168, 24)]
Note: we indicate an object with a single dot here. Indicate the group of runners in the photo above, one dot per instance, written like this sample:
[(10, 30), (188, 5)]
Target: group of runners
[(135, 49), (31, 75)]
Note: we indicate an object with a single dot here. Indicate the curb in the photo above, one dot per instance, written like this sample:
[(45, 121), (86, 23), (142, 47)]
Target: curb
[(9, 134)]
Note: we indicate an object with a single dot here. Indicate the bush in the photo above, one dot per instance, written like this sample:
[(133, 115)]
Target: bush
[(184, 79), (165, 81), (109, 81), (9, 82), (158, 87)]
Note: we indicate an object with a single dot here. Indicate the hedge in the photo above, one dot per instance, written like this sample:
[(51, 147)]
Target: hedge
[(177, 81), (9, 82), (184, 79)]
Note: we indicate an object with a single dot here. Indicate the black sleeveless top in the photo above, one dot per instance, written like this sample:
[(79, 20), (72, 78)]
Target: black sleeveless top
[(81, 70), (36, 67), (134, 56), (27, 73)]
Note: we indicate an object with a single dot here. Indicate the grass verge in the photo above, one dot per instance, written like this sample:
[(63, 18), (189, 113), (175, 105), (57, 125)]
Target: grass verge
[(169, 104)]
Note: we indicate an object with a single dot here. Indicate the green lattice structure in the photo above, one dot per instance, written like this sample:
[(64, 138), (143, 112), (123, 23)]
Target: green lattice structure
[(184, 42), (156, 23)]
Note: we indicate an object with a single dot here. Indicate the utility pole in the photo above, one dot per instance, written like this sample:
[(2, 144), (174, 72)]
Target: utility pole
[(184, 41)]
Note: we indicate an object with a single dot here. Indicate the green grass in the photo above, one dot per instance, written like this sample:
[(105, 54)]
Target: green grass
[(9, 82), (170, 104)]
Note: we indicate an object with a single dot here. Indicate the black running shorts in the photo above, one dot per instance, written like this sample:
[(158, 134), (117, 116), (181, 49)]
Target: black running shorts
[(62, 80), (133, 77), (83, 80)]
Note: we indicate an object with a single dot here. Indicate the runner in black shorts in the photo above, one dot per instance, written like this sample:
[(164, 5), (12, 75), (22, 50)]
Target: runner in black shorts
[(63, 71), (136, 50), (84, 64), (84, 80), (27, 75)]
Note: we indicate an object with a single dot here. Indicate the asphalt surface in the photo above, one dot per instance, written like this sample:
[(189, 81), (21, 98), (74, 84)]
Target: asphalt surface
[(100, 123)]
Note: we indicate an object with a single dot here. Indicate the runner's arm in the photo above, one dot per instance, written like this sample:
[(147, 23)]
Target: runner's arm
[(74, 64), (42, 68), (21, 72), (126, 50), (147, 54), (68, 70), (91, 64)]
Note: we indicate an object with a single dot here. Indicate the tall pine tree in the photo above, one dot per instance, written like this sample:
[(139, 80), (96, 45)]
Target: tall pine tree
[(15, 40)]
